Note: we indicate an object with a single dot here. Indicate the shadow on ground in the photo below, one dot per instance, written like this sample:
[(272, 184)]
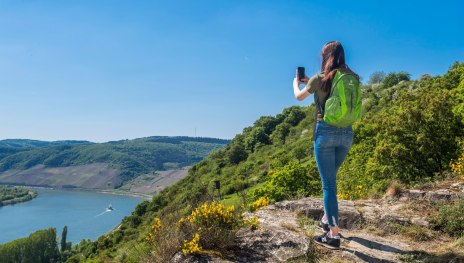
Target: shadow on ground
[(408, 256)]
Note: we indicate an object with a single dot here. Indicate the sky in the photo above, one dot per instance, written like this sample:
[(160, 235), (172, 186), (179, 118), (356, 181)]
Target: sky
[(103, 70)]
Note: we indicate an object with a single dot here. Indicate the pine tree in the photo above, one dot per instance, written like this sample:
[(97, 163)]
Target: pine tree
[(63, 238)]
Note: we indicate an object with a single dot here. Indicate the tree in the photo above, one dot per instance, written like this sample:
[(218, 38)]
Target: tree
[(40, 246), (418, 136), (256, 137), (237, 153), (63, 238), (268, 123), (394, 78), (300, 152), (376, 77), (293, 115), (280, 133), (293, 180)]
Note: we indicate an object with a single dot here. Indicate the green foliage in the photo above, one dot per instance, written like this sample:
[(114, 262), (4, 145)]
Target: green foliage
[(293, 180), (40, 246), (10, 195), (237, 152), (450, 218), (376, 77), (280, 133), (25, 143), (394, 78), (294, 115), (255, 138), (63, 238), (417, 138)]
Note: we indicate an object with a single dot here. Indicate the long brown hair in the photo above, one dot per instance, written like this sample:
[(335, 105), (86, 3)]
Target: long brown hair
[(333, 59)]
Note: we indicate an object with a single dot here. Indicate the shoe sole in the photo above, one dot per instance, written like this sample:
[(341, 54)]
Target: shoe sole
[(326, 245)]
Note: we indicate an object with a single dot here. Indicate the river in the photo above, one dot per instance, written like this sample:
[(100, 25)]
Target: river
[(84, 212)]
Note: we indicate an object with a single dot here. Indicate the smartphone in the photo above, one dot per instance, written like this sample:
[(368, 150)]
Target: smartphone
[(301, 73)]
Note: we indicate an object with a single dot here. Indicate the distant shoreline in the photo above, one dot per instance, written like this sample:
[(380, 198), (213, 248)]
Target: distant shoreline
[(103, 191), (22, 199)]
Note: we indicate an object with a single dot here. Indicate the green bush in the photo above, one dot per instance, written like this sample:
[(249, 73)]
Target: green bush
[(293, 180), (450, 218), (40, 246)]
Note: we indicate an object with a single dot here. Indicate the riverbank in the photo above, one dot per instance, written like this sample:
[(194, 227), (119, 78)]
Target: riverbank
[(103, 191), (10, 195), (144, 186)]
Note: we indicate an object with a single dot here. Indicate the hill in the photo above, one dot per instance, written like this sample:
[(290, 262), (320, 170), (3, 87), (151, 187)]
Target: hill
[(26, 143), (410, 135), (97, 165)]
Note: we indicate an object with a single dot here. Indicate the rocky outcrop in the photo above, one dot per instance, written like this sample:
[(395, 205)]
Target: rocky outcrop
[(313, 208), (280, 237), (451, 193)]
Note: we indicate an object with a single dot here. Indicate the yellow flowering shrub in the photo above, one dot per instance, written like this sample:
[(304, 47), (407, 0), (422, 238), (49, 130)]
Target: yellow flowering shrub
[(261, 202), (457, 166), (211, 215), (215, 223), (350, 194), (192, 246), (252, 223), (155, 228)]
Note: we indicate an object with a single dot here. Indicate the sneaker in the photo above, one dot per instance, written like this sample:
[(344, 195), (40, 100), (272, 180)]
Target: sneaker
[(324, 226), (327, 241)]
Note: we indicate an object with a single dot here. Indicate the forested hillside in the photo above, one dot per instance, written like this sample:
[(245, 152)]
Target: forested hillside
[(130, 157), (26, 143), (411, 133)]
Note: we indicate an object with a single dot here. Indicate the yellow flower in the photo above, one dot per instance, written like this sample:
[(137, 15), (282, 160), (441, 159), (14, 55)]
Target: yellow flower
[(261, 202), (192, 246), (155, 228)]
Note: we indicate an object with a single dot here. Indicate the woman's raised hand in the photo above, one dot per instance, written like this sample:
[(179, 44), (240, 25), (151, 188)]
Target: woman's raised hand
[(303, 80)]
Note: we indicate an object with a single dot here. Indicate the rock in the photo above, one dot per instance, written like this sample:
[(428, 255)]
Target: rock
[(387, 218), (181, 258), (280, 238), (373, 248), (420, 221), (349, 217), (276, 240), (370, 211), (439, 195), (458, 186), (416, 194)]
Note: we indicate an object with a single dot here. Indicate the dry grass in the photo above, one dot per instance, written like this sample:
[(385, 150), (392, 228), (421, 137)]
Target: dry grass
[(289, 227), (411, 231), (421, 256), (167, 242), (394, 190), (420, 208), (375, 230), (458, 244), (312, 255), (308, 225)]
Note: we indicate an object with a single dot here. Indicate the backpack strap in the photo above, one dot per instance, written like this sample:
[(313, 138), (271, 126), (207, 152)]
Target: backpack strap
[(334, 84)]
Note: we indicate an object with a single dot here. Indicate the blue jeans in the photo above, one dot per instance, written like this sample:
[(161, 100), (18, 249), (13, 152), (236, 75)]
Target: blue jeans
[(331, 146)]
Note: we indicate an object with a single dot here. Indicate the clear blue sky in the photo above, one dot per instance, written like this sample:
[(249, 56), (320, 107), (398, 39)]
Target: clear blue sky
[(109, 70)]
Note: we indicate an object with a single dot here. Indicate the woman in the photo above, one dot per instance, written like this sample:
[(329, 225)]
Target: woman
[(331, 144)]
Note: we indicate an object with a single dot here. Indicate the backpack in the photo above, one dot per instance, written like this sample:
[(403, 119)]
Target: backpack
[(343, 106)]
